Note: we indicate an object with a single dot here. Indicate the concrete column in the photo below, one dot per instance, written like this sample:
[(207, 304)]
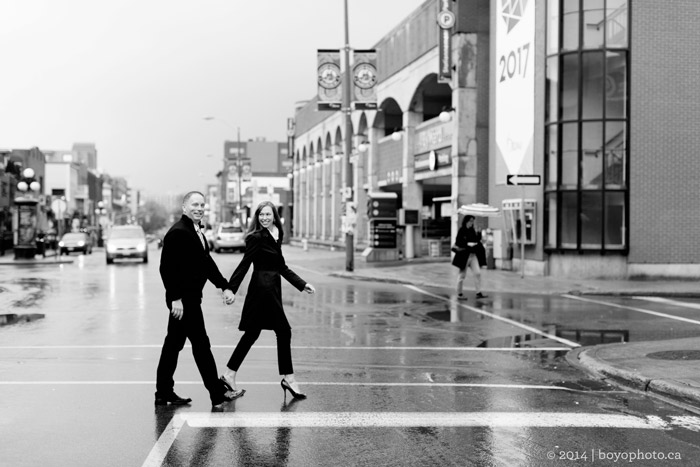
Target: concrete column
[(324, 197), (465, 131), (412, 190), (301, 224), (307, 204), (318, 197), (296, 183), (360, 195), (335, 194)]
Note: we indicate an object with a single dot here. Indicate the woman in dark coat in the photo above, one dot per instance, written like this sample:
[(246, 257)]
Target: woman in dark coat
[(469, 253), (262, 308)]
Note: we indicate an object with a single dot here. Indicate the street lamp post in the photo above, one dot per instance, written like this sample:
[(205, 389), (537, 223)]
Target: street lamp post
[(238, 167), (26, 204), (101, 212)]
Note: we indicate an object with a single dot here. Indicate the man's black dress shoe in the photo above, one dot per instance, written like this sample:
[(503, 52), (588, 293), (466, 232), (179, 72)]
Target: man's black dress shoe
[(171, 398)]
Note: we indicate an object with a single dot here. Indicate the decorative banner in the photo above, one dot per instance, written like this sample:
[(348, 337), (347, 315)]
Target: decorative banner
[(330, 89), (446, 20), (364, 77), (515, 87)]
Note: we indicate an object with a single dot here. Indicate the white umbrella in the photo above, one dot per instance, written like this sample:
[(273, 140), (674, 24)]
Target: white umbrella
[(479, 210)]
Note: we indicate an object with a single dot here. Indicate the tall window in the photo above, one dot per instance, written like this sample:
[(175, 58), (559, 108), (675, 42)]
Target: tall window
[(586, 193)]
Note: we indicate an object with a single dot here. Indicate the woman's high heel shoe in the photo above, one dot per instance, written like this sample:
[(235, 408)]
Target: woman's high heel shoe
[(228, 385), (286, 387)]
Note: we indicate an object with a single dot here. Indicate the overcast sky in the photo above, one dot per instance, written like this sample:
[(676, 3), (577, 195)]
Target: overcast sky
[(136, 77)]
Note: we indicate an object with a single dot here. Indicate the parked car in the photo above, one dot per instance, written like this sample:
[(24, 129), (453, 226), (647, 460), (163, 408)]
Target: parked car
[(75, 241), (126, 241), (229, 237)]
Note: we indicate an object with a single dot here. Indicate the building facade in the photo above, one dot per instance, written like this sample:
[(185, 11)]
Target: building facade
[(254, 171), (591, 101)]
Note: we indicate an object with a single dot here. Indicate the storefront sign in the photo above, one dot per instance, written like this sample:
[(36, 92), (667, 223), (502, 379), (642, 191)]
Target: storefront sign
[(431, 161), (330, 79), (436, 136), (514, 87)]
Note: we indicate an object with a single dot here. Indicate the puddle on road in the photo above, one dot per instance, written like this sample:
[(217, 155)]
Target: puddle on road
[(12, 318)]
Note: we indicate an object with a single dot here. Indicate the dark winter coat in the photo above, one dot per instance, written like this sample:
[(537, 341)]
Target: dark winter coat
[(185, 264), (465, 236), (262, 308)]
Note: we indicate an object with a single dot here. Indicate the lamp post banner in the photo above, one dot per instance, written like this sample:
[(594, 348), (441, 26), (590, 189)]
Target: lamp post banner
[(515, 87), (330, 80), (364, 77)]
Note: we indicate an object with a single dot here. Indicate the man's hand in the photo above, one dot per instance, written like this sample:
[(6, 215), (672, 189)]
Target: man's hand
[(228, 297), (308, 288), (176, 309)]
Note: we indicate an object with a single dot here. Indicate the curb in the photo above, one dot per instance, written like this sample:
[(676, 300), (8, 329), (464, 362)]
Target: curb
[(667, 390)]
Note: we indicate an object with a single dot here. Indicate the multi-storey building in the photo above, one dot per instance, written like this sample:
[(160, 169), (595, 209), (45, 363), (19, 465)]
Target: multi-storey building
[(582, 112)]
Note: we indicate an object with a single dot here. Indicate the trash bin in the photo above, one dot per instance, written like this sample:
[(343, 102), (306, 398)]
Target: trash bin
[(305, 244)]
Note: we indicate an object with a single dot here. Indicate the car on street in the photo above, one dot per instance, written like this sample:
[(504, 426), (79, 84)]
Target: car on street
[(229, 237), (75, 242), (126, 241)]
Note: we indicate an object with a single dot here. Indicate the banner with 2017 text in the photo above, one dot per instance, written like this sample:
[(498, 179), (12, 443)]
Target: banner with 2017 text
[(514, 84)]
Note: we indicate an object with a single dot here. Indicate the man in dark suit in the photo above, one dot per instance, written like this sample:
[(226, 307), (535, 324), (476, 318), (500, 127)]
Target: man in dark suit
[(185, 267)]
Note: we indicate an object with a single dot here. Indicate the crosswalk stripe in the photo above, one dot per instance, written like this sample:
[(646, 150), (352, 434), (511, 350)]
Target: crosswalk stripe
[(632, 308), (294, 347), (499, 318), (695, 306), (406, 420), (305, 383), (422, 419)]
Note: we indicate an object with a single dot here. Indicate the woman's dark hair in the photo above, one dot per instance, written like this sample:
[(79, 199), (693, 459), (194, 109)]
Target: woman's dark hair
[(466, 219), (255, 225)]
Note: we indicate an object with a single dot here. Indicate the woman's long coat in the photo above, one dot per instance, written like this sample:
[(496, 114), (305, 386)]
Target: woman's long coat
[(262, 308), (465, 236)]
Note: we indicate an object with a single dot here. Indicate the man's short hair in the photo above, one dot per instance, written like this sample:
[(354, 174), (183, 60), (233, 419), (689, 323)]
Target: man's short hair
[(187, 197)]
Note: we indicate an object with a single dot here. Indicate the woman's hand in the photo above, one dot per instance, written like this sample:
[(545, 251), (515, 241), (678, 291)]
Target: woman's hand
[(308, 288), (176, 309), (228, 297)]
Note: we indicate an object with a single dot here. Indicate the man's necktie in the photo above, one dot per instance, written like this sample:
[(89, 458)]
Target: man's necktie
[(200, 235)]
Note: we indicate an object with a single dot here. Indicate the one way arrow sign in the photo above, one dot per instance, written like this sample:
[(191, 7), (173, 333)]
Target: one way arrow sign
[(515, 179)]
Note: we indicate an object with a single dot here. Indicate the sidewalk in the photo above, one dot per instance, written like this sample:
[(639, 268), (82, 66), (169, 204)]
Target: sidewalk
[(669, 369), (8, 259)]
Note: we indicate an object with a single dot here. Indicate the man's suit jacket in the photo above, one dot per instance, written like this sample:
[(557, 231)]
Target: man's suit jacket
[(185, 264)]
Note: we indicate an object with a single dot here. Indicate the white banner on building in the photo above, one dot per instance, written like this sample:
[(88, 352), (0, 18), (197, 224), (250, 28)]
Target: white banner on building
[(515, 87)]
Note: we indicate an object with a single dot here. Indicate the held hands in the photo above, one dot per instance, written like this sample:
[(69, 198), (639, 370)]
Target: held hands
[(228, 297), (176, 309), (310, 289)]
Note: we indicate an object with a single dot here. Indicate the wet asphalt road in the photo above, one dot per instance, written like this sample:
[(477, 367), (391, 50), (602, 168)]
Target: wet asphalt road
[(396, 376)]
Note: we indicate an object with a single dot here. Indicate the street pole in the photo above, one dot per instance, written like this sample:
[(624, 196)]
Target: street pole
[(347, 192)]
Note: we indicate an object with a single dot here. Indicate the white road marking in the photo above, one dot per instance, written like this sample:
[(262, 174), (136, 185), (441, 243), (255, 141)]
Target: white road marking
[(305, 383), (404, 420), (420, 419), (632, 308), (695, 306), (165, 441), (295, 347), (496, 317)]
